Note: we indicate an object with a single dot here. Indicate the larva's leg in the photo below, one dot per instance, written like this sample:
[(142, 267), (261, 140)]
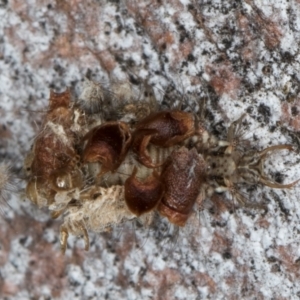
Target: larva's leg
[(238, 196), (64, 233), (57, 213), (85, 236)]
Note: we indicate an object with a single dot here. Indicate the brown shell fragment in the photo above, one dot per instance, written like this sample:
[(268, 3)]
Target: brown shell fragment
[(54, 147), (53, 150), (142, 197), (182, 177), (163, 129), (59, 99), (107, 144)]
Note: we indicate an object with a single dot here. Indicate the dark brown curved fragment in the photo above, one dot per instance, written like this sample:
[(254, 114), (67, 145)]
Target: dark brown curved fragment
[(182, 177), (163, 129), (107, 144), (142, 197)]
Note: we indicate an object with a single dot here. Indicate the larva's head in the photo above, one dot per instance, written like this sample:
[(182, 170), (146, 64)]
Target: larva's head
[(233, 168)]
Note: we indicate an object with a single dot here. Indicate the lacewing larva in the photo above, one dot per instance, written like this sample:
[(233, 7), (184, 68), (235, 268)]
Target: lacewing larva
[(98, 168)]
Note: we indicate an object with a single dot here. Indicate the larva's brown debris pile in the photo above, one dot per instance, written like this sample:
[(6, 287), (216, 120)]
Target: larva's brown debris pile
[(101, 161)]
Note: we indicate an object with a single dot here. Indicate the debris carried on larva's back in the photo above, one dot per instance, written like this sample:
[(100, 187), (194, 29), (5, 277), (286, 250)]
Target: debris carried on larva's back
[(132, 161)]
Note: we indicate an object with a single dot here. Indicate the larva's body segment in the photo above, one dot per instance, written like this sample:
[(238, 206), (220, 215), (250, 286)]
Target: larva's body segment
[(125, 170), (99, 171)]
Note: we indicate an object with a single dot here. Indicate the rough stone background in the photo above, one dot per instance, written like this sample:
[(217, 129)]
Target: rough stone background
[(241, 56)]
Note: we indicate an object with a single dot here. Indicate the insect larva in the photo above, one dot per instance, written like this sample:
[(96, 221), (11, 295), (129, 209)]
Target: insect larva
[(99, 172)]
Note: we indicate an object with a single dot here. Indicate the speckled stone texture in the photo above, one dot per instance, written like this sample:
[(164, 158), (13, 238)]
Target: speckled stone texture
[(239, 56)]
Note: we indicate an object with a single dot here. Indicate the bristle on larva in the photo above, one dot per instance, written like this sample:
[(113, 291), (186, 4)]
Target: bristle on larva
[(6, 182)]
